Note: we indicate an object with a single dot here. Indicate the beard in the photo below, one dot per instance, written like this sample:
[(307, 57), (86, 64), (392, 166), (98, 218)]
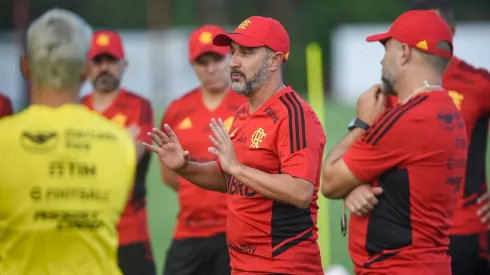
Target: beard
[(387, 86), (250, 85), (106, 82)]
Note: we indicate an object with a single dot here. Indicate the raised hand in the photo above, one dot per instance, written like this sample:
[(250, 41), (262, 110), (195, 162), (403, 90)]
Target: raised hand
[(223, 146), (168, 148)]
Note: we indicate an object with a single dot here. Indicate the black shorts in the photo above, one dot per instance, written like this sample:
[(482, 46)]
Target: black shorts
[(136, 259), (470, 254), (198, 256)]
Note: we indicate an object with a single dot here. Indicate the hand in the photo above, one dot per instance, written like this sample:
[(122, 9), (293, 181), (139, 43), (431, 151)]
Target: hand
[(223, 147), (362, 199), (484, 210), (133, 130), (170, 152), (370, 104)]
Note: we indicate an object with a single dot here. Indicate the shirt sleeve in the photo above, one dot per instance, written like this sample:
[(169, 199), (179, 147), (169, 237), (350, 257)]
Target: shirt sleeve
[(378, 150), (145, 122), (300, 145)]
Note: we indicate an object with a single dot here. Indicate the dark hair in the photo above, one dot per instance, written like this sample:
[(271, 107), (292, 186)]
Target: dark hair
[(444, 7)]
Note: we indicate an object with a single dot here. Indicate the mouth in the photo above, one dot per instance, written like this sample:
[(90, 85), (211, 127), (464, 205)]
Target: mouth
[(235, 76)]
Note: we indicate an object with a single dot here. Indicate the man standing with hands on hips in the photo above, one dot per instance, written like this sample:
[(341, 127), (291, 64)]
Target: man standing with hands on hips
[(403, 154), (268, 164)]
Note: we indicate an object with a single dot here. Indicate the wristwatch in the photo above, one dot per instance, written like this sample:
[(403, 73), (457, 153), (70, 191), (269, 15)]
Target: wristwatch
[(357, 123)]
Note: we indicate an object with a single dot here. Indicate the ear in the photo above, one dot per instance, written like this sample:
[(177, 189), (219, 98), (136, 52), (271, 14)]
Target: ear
[(406, 53), (24, 66), (277, 60)]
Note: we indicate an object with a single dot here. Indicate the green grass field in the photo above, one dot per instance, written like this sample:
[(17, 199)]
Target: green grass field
[(163, 201)]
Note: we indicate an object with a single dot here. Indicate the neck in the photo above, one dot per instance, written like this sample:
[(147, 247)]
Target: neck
[(212, 99), (413, 84), (102, 100), (53, 97), (259, 96)]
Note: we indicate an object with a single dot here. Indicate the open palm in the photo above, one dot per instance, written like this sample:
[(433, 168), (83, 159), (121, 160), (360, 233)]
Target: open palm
[(168, 148)]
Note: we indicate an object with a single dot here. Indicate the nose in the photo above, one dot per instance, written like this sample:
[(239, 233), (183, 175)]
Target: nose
[(234, 62), (212, 67)]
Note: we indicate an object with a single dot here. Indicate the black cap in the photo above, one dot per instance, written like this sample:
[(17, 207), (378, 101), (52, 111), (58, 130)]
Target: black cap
[(430, 4)]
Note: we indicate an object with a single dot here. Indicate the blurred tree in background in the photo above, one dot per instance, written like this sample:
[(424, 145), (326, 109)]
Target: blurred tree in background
[(305, 20)]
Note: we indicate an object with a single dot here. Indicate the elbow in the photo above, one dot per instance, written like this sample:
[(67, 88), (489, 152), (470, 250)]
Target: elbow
[(331, 191), (303, 200), (330, 187)]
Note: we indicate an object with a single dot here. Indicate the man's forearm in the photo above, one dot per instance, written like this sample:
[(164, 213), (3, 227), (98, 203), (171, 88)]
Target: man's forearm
[(333, 184), (205, 175), (278, 187)]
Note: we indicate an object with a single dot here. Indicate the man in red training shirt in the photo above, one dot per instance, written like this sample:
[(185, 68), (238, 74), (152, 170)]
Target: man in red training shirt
[(469, 88), (134, 112), (268, 163), (410, 155), (199, 244), (5, 106)]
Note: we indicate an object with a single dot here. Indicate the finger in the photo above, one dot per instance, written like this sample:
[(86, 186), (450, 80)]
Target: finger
[(381, 101), (216, 132), (156, 139), (372, 201), (222, 126), (161, 135), (486, 217), (170, 133), (483, 198), (214, 141), (218, 126), (213, 151), (377, 190), (150, 147), (483, 209)]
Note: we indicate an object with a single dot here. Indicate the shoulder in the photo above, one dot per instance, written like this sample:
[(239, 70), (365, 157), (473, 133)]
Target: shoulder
[(133, 96), (460, 70), (291, 105), (3, 97)]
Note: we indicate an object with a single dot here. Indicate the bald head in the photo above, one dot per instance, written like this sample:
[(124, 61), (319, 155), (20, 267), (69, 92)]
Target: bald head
[(57, 46)]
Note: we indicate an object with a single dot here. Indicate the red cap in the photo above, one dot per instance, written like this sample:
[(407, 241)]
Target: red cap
[(106, 42), (201, 42), (258, 31), (420, 29)]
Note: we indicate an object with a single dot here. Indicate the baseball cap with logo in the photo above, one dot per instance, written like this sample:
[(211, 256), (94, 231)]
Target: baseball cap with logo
[(201, 42), (420, 29), (106, 42), (258, 31)]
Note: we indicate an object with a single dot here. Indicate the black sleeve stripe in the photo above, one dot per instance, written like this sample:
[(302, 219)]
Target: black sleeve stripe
[(398, 116), (302, 122), (373, 129), (393, 114), (296, 122), (290, 117)]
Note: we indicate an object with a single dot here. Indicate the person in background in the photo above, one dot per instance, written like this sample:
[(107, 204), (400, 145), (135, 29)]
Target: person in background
[(5, 106), (399, 168), (129, 110), (268, 163), (65, 171), (199, 244)]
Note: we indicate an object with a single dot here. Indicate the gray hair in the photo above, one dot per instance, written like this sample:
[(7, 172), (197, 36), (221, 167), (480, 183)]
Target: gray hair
[(57, 47)]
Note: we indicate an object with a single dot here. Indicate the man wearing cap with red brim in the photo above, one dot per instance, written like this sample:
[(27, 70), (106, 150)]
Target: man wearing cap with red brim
[(392, 167), (199, 244), (268, 163), (134, 112)]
